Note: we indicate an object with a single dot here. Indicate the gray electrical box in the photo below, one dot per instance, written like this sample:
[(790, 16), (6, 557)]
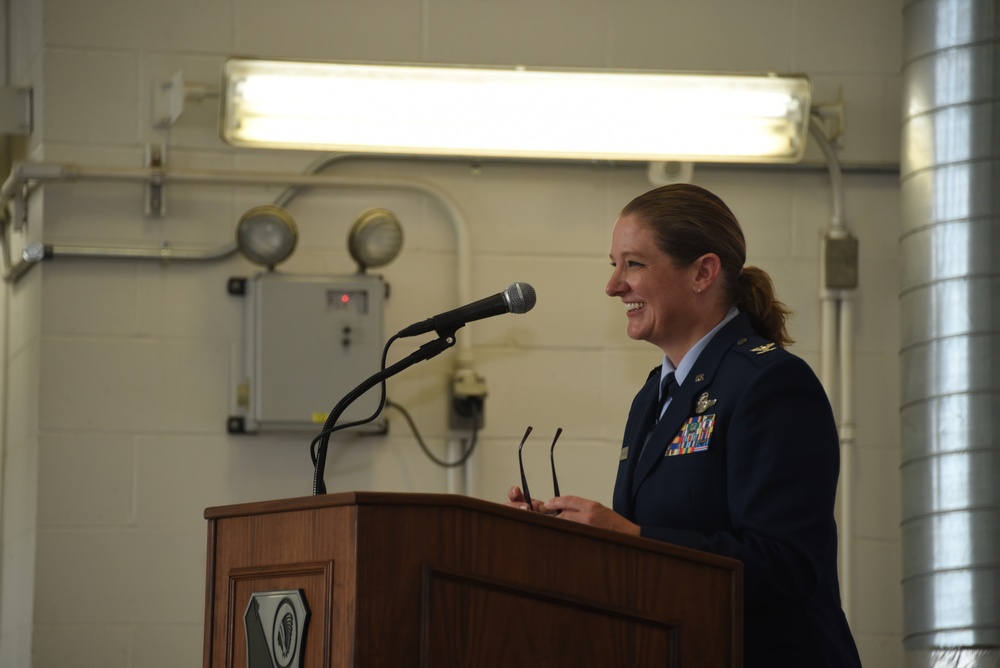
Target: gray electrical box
[(842, 263), (308, 342)]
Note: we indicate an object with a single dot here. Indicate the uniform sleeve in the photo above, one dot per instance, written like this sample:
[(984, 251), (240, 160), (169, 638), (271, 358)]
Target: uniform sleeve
[(782, 463)]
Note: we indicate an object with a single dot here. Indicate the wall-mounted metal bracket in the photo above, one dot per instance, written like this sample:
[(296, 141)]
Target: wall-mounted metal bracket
[(15, 110), (156, 158), (170, 96), (832, 116), (19, 208), (168, 100)]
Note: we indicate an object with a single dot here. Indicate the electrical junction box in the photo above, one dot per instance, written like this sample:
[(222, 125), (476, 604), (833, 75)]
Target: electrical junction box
[(308, 342), (841, 263)]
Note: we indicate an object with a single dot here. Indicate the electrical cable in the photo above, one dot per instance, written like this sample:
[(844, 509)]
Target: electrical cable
[(328, 429), (466, 453), (320, 445)]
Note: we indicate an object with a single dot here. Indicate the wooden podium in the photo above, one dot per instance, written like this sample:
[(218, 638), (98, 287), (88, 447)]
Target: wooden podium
[(433, 580)]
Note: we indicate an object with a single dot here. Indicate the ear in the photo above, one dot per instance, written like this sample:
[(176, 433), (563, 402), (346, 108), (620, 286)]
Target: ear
[(707, 270)]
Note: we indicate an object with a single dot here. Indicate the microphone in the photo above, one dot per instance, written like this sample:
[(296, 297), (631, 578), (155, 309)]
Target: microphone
[(517, 298)]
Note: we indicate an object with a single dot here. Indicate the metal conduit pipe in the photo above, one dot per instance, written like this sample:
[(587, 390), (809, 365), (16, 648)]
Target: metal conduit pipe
[(40, 173), (165, 253), (950, 333), (36, 252), (837, 344)]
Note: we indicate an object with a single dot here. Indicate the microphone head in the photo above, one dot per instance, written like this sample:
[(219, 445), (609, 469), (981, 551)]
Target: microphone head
[(520, 297)]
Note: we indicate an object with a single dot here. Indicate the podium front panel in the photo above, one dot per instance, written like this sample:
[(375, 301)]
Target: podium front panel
[(471, 621), (440, 581)]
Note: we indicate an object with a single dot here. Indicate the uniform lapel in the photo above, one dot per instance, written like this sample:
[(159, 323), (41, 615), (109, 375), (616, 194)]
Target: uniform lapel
[(682, 404), (673, 418), (644, 408)]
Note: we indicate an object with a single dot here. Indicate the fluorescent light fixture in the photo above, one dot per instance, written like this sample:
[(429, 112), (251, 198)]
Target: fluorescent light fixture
[(515, 112)]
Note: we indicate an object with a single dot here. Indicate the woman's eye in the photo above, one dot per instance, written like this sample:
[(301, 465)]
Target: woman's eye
[(633, 263)]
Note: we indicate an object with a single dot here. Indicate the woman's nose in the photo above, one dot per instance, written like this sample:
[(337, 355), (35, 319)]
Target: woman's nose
[(614, 284)]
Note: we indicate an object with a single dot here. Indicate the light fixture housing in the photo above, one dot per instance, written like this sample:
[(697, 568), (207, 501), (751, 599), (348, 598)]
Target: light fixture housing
[(515, 112), (267, 235), (375, 239)]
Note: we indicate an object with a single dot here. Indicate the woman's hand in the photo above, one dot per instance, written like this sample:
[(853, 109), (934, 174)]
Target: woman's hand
[(585, 511), (515, 498)]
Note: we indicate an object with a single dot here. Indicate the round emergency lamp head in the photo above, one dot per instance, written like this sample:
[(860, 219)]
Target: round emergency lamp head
[(375, 238), (266, 235)]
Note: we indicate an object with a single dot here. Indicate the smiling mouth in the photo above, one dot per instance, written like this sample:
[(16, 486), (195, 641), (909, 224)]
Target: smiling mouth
[(634, 306)]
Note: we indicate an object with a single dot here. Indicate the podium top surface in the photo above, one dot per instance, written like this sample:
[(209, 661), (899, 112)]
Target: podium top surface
[(467, 503)]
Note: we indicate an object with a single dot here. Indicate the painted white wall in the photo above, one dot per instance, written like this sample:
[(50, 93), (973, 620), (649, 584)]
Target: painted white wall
[(119, 375)]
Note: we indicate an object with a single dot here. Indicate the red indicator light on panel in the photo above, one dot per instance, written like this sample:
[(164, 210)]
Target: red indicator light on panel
[(345, 298)]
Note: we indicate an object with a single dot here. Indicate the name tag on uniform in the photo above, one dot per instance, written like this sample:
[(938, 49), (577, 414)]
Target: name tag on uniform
[(693, 436)]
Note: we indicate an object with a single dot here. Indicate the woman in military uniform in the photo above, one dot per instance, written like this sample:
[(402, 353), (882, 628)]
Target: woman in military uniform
[(730, 447)]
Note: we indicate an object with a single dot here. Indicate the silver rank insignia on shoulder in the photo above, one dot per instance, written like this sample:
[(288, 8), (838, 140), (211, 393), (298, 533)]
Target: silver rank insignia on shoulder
[(766, 348), (623, 455), (704, 403)]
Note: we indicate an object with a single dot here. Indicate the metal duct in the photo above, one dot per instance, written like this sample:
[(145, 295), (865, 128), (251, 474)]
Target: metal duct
[(950, 354)]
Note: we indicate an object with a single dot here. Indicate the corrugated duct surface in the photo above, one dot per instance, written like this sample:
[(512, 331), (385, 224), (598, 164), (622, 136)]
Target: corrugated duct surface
[(950, 354)]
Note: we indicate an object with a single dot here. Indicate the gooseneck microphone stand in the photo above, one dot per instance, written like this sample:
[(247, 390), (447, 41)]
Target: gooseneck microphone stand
[(425, 352)]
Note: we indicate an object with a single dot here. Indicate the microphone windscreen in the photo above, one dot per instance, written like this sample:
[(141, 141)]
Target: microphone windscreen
[(520, 297)]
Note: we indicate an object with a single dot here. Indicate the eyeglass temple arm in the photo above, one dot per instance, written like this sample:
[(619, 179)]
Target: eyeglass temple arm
[(520, 462), (552, 459)]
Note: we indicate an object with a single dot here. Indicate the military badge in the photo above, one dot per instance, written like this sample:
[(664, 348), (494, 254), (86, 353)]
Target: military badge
[(704, 403), (766, 348)]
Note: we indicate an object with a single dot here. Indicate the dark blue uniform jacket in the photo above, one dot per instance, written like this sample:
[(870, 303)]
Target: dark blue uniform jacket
[(744, 464)]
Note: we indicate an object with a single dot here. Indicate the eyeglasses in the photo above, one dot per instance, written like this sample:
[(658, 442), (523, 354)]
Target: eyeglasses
[(552, 459)]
